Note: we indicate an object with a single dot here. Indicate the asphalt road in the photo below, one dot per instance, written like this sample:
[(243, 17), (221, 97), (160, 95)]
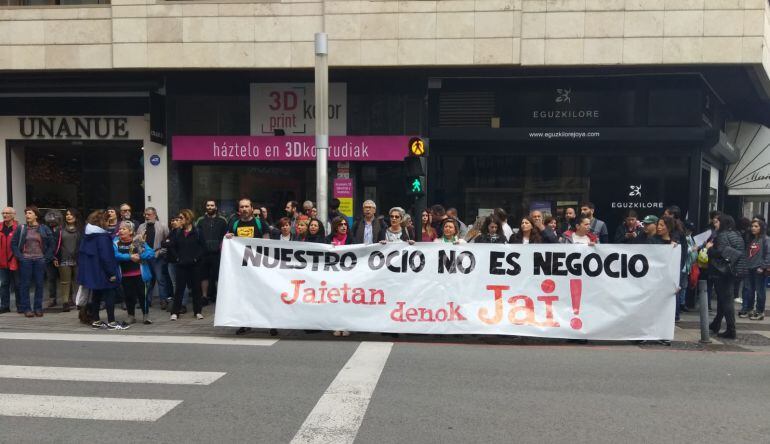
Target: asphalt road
[(337, 390)]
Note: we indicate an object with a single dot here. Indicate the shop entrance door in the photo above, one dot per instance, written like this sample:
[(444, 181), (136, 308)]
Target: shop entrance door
[(87, 176)]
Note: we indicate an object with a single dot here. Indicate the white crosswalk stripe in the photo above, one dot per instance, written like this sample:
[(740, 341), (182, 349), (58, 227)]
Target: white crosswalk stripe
[(109, 375), (142, 339), (78, 407), (94, 408)]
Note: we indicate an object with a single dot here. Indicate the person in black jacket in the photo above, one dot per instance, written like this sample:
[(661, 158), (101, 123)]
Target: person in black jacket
[(188, 247), (491, 232), (725, 258), (213, 227), (315, 230), (630, 231)]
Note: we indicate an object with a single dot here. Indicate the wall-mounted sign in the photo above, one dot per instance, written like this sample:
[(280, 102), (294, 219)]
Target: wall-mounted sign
[(70, 127), (155, 160), (247, 148), (158, 118), (290, 108), (634, 197), (750, 176)]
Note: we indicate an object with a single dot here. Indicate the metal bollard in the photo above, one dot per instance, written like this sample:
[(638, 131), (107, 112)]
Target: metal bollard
[(703, 303)]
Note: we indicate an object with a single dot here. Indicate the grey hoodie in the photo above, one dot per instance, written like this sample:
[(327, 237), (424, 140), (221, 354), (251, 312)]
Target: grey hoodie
[(758, 253)]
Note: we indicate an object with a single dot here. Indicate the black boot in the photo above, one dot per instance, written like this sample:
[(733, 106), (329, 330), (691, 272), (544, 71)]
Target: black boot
[(727, 334)]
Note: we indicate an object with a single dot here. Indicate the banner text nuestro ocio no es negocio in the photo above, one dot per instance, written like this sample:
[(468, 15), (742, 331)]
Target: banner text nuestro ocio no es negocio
[(546, 290)]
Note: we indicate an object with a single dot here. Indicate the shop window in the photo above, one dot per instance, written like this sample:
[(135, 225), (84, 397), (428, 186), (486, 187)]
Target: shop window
[(84, 177)]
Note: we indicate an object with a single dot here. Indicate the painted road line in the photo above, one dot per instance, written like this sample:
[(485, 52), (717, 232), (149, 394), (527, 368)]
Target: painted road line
[(109, 375), (75, 407), (337, 416), (143, 339)]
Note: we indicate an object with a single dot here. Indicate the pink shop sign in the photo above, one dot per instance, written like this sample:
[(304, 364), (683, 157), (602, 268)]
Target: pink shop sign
[(240, 148)]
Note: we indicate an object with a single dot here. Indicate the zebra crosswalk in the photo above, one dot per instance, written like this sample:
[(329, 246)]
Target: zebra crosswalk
[(96, 408)]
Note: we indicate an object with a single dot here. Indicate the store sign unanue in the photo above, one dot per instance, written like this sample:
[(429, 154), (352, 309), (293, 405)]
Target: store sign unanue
[(290, 108), (634, 199), (73, 127)]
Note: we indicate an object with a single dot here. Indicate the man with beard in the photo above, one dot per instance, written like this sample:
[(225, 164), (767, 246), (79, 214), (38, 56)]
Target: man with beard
[(213, 226), (246, 225), (292, 212)]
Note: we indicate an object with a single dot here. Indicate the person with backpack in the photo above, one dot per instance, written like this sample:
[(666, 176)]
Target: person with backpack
[(727, 260), (757, 262), (33, 245)]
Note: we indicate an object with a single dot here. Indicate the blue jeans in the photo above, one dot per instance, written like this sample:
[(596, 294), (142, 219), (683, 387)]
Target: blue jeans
[(158, 277), (755, 292), (30, 269), (8, 277)]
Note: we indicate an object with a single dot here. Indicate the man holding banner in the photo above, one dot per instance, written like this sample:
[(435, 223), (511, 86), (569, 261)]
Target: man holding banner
[(248, 226)]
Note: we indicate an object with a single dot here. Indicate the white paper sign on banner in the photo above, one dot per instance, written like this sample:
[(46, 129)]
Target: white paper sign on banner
[(290, 107), (604, 292)]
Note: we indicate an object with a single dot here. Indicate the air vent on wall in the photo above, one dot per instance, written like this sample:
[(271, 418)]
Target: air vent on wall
[(466, 108)]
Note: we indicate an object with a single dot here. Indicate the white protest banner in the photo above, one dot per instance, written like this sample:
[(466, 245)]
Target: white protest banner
[(604, 292)]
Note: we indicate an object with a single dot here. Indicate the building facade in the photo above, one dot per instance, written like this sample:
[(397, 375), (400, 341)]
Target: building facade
[(525, 103)]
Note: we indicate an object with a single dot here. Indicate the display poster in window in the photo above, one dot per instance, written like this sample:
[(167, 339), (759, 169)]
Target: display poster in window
[(289, 109)]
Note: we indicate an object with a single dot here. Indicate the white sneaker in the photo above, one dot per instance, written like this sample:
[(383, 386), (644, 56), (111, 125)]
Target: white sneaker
[(199, 316), (174, 317)]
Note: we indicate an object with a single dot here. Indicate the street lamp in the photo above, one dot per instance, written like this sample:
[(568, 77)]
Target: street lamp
[(322, 118)]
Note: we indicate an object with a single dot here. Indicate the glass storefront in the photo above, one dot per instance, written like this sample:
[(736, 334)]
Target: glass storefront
[(270, 184), (476, 184), (87, 177)]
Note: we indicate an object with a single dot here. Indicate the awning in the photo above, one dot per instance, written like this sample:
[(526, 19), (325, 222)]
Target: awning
[(750, 176)]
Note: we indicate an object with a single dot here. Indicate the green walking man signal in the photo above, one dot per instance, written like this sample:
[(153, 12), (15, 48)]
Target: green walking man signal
[(416, 186)]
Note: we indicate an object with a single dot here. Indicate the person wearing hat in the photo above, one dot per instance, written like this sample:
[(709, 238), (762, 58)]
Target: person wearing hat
[(630, 230), (650, 226)]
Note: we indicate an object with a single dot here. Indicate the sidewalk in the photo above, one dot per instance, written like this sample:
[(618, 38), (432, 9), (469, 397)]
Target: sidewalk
[(752, 335)]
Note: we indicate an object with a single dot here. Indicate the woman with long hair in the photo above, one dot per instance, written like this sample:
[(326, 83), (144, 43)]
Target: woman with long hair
[(527, 234), (725, 256), (428, 233), (339, 233), (302, 230), (757, 262), (315, 231), (188, 248), (33, 245), (66, 257), (340, 236), (491, 232)]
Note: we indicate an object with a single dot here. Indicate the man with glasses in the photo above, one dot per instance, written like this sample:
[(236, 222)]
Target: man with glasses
[(154, 233), (125, 214), (9, 265), (369, 229)]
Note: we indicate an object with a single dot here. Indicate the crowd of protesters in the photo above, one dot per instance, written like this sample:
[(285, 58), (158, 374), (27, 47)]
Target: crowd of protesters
[(109, 259)]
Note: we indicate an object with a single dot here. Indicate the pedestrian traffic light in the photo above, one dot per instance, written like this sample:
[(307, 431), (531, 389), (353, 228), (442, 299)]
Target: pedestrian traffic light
[(417, 147), (415, 176), (416, 163), (416, 186)]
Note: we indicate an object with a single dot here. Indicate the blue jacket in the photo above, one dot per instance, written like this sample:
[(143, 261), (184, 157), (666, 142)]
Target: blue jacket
[(20, 236), (146, 255), (96, 260)]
